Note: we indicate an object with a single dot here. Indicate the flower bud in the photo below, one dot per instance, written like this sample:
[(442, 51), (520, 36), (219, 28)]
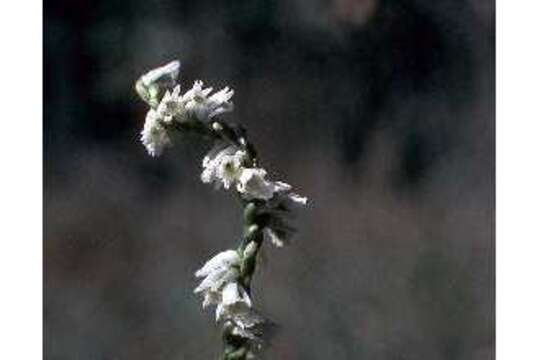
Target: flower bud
[(217, 126), (251, 231), (250, 249), (250, 213)]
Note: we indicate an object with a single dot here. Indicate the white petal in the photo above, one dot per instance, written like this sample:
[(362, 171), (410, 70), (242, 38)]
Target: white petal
[(154, 136), (216, 279), (273, 237), (233, 293), (252, 184), (244, 297), (221, 110), (280, 186), (207, 176), (223, 166), (220, 311), (235, 303), (222, 96), (301, 200), (230, 294), (223, 259)]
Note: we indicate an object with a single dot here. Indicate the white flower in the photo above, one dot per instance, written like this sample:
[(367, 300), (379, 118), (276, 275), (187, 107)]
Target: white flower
[(220, 103), (277, 231), (236, 307), (159, 89), (172, 106), (217, 272), (220, 286), (154, 136), (205, 107), (212, 285), (224, 259), (223, 166), (285, 199), (216, 279), (252, 184), (197, 93), (234, 301)]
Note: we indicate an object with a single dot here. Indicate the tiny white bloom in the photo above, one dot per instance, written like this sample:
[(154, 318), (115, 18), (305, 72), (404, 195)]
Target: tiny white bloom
[(285, 193), (154, 136), (216, 279), (217, 272), (297, 199), (224, 259), (282, 204), (285, 199), (235, 306), (220, 103), (223, 167), (253, 184), (197, 93), (234, 302), (205, 107), (172, 106), (233, 293)]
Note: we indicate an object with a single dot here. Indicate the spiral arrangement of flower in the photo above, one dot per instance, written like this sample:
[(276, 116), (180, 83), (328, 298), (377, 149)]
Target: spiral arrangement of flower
[(231, 164)]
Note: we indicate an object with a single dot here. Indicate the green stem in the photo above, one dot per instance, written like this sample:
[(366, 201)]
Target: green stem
[(236, 347)]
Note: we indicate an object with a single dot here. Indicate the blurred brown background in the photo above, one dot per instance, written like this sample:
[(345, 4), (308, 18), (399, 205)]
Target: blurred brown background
[(382, 112)]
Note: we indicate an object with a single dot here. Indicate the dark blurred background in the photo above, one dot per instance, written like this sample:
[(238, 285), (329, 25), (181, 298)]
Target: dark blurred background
[(382, 112)]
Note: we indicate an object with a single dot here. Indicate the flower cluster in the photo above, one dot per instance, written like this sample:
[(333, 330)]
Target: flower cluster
[(222, 286), (227, 167), (223, 166), (175, 109), (231, 164)]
